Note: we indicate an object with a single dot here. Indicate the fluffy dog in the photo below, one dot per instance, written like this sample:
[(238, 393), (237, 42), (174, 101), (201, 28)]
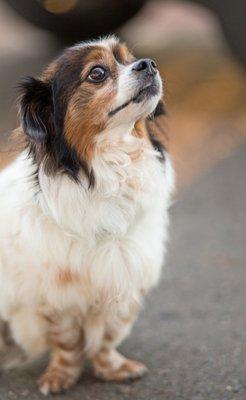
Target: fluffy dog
[(84, 211)]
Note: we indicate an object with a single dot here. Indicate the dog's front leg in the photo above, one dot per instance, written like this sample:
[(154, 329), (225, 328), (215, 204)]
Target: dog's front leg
[(66, 363), (108, 363)]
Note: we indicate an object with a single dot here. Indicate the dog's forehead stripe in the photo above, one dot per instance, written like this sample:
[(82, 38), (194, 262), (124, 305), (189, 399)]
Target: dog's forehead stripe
[(113, 45), (122, 54), (107, 43)]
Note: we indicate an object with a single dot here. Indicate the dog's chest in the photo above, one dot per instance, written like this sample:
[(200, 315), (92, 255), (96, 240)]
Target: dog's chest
[(123, 229), (125, 192)]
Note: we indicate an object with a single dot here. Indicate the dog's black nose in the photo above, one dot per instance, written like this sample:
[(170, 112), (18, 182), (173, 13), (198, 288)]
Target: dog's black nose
[(147, 65)]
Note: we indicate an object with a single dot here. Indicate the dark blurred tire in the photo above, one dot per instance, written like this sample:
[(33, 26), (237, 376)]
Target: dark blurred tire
[(84, 19), (90, 18)]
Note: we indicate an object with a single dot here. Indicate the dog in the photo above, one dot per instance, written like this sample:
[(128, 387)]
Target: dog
[(84, 211)]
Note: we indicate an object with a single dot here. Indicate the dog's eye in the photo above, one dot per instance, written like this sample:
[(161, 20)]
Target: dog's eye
[(97, 74)]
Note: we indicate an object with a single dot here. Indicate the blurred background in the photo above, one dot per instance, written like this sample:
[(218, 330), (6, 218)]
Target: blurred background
[(197, 348)]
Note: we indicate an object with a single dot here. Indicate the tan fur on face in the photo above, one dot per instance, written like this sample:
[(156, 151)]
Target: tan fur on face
[(88, 108), (122, 54), (81, 131)]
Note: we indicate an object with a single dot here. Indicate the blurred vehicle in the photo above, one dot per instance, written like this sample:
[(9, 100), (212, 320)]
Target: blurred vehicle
[(75, 20)]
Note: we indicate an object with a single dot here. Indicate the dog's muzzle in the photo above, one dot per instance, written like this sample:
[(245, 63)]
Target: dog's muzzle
[(147, 83), (145, 67), (146, 71)]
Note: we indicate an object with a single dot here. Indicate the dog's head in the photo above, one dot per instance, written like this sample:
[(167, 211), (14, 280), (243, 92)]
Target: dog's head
[(92, 87)]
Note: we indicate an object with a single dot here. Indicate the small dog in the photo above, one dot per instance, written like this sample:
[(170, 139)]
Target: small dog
[(84, 211)]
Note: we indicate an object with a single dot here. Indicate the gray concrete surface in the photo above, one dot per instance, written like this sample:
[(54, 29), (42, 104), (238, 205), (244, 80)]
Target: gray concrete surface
[(192, 331)]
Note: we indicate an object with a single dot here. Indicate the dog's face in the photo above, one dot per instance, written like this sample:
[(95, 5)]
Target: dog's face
[(92, 87)]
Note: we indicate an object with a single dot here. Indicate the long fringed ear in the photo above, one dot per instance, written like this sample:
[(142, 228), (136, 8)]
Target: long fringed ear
[(36, 109), (160, 109)]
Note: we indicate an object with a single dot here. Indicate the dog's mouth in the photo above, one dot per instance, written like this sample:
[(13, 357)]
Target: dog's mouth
[(149, 90), (141, 93)]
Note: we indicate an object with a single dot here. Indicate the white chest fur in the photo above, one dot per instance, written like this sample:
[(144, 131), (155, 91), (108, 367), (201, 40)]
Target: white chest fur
[(111, 238)]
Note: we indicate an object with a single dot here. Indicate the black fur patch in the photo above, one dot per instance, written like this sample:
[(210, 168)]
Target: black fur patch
[(159, 110), (43, 108), (158, 147), (36, 109)]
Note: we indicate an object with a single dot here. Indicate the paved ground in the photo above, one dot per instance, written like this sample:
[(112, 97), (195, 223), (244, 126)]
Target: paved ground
[(192, 332)]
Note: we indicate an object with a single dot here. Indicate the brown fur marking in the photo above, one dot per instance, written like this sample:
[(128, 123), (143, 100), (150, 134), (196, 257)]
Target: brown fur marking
[(91, 101), (67, 277)]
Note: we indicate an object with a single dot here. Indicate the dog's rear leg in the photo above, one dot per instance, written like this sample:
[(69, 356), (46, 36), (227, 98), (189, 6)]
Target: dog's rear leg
[(24, 338)]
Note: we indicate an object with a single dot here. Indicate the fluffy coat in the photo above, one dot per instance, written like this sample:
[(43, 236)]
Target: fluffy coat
[(75, 261)]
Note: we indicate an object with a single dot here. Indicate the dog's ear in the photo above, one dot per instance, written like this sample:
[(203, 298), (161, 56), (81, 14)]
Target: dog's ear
[(160, 109), (36, 109)]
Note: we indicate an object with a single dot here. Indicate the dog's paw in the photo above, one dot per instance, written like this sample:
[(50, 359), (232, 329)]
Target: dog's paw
[(129, 370), (55, 380)]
